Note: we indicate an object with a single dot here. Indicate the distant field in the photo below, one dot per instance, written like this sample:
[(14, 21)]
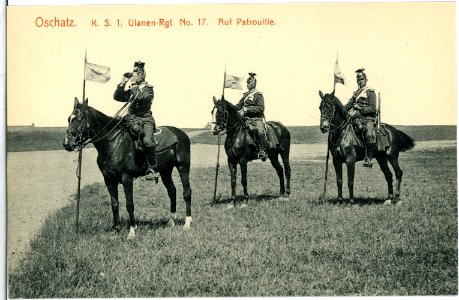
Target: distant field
[(28, 138)]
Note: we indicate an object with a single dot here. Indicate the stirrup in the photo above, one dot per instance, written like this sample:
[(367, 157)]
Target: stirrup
[(152, 175), (262, 155), (367, 163)]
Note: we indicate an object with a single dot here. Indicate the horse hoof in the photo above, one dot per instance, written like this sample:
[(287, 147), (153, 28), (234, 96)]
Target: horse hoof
[(171, 223), (230, 206), (116, 228), (188, 221), (244, 205), (388, 202), (131, 234)]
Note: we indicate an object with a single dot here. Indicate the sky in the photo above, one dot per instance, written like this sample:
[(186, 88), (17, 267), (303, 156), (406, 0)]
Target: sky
[(407, 48)]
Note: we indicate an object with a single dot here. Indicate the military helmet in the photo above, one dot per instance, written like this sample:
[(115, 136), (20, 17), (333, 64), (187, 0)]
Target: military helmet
[(139, 68), (252, 78), (361, 74)]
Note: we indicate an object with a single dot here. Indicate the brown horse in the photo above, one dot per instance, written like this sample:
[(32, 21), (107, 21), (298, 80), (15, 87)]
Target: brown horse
[(240, 148), (333, 118), (120, 162)]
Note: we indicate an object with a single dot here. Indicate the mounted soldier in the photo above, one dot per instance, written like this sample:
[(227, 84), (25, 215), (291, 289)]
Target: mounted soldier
[(362, 110), (135, 89), (252, 106)]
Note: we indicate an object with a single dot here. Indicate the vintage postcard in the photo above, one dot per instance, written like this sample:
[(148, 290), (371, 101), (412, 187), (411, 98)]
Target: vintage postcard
[(198, 150)]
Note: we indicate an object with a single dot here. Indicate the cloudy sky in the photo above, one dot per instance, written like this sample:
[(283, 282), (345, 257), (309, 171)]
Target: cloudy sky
[(408, 50)]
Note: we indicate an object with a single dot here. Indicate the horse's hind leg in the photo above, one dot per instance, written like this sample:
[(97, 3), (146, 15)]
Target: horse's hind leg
[(184, 171), (393, 159), (243, 164), (285, 155), (113, 190), (280, 172), (128, 192), (166, 178), (382, 161), (233, 171)]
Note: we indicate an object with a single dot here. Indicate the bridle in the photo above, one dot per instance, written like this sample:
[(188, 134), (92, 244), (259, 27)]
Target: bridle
[(83, 132), (331, 108), (223, 123), (80, 134)]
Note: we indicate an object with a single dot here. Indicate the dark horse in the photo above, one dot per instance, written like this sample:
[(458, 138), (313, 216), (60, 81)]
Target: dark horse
[(240, 148), (119, 161), (333, 118)]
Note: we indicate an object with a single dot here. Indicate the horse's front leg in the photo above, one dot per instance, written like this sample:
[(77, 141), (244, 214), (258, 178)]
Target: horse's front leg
[(113, 190), (128, 192), (339, 178), (350, 179), (243, 164), (233, 171)]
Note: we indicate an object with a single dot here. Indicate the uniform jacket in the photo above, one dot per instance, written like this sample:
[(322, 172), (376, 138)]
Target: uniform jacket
[(141, 106), (254, 104), (366, 98)]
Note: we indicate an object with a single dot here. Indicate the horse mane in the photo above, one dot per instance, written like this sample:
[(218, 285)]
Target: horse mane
[(101, 119), (340, 107), (229, 105)]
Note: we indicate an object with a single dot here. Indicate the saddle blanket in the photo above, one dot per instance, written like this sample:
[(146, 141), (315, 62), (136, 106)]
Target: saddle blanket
[(165, 138)]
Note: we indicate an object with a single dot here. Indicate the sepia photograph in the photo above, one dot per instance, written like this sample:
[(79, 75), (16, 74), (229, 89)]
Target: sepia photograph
[(231, 150)]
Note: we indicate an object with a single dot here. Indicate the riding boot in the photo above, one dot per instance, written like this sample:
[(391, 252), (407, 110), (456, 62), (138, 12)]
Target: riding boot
[(369, 155), (263, 147), (152, 173)]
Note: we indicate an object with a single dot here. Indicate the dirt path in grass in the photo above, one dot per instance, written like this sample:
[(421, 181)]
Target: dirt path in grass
[(39, 183)]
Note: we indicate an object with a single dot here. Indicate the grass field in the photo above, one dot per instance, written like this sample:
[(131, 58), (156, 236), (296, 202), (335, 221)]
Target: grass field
[(297, 247), (29, 138)]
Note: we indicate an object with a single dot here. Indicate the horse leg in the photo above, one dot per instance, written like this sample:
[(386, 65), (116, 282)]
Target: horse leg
[(243, 164), (393, 159), (166, 178), (288, 171), (113, 190), (280, 173), (382, 161), (126, 180), (233, 172), (350, 166), (184, 171), (339, 178)]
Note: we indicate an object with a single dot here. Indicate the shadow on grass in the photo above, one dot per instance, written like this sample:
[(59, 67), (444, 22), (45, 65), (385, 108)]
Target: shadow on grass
[(240, 199), (360, 201)]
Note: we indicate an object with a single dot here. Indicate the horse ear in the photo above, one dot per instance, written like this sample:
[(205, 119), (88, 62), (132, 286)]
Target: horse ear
[(215, 100), (321, 94), (75, 102), (85, 102), (333, 93)]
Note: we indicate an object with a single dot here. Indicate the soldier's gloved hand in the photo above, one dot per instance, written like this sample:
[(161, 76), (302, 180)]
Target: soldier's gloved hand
[(242, 111), (351, 112), (357, 107)]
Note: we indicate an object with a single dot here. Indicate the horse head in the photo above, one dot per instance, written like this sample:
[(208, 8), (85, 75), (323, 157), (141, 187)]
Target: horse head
[(76, 132), (327, 110), (224, 116)]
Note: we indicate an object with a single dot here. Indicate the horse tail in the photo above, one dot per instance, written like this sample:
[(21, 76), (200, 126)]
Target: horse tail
[(404, 141)]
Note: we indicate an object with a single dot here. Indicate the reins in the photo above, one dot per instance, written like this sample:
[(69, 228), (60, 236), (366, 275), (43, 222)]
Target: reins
[(118, 113)]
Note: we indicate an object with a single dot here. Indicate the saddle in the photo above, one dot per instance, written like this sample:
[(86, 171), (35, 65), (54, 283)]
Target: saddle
[(164, 137), (353, 137), (250, 127)]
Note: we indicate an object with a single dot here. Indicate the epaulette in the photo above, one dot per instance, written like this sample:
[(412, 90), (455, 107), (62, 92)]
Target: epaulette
[(259, 92)]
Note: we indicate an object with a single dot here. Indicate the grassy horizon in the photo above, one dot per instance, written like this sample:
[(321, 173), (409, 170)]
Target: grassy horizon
[(30, 138), (298, 247)]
